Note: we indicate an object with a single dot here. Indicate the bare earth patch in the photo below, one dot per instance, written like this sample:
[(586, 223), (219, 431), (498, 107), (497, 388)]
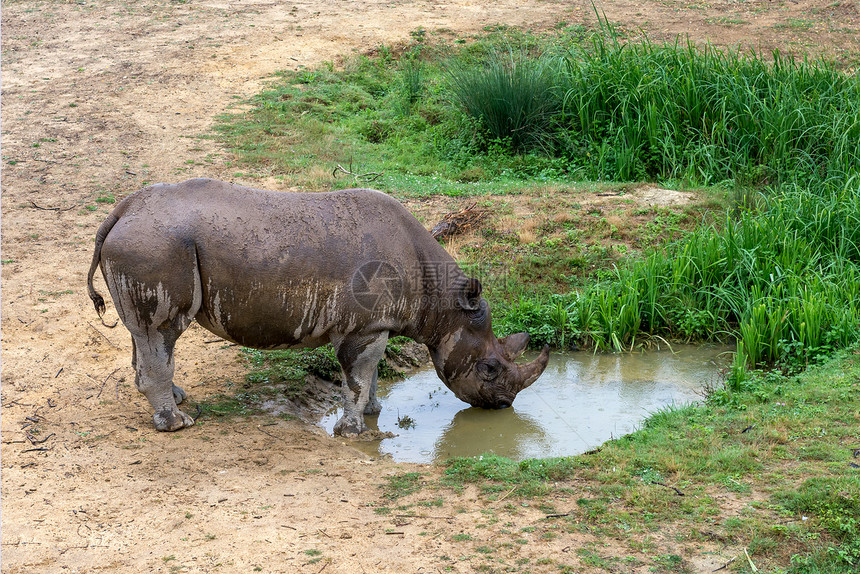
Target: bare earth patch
[(100, 97)]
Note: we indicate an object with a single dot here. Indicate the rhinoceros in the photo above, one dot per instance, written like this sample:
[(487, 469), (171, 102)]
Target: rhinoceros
[(273, 270)]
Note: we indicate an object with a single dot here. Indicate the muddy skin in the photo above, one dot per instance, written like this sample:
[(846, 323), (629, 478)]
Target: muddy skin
[(274, 270)]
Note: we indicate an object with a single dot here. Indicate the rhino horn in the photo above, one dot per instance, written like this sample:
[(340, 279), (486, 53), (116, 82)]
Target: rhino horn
[(514, 345), (531, 371)]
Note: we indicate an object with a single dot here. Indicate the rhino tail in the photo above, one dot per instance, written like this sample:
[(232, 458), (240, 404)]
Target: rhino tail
[(101, 235)]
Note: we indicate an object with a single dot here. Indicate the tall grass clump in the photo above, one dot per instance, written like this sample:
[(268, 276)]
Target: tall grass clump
[(412, 82), (646, 111), (511, 95)]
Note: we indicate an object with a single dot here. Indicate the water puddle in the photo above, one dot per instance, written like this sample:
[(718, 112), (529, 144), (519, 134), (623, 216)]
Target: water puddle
[(581, 401)]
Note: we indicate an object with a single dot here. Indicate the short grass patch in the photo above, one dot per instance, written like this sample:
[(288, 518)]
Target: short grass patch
[(402, 485), (283, 374)]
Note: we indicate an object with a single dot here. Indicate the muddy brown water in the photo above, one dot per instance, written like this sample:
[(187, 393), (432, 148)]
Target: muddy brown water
[(581, 400)]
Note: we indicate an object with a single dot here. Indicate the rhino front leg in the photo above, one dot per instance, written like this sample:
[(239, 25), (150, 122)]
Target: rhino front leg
[(358, 357)]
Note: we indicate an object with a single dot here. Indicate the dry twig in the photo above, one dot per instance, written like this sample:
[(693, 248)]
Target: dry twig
[(507, 494), (677, 491), (102, 334), (259, 428), (458, 222), (51, 208), (752, 566), (371, 176), (105, 382), (724, 566), (33, 440)]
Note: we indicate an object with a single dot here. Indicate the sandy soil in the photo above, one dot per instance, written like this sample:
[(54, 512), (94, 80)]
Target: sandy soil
[(102, 96)]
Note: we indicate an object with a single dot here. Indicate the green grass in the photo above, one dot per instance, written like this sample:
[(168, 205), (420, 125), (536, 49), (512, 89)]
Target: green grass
[(229, 404), (402, 485), (284, 373), (292, 366), (782, 280), (499, 474), (565, 106)]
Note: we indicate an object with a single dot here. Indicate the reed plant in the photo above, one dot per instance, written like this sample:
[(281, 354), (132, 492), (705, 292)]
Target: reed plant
[(412, 82)]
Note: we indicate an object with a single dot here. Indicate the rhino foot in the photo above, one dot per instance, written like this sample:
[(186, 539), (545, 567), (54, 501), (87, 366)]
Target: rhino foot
[(171, 420), (348, 428), (179, 395)]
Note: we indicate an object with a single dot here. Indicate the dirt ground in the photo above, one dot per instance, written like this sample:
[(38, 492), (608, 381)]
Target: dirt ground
[(102, 96)]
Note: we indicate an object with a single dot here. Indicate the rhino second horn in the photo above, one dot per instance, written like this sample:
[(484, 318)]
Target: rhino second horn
[(531, 371), (514, 345)]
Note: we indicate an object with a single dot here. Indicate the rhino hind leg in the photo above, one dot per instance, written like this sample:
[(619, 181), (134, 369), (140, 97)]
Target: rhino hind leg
[(358, 357), (154, 378), (179, 394), (156, 306)]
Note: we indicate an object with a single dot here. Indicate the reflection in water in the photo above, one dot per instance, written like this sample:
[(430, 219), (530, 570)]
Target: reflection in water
[(506, 432), (579, 402)]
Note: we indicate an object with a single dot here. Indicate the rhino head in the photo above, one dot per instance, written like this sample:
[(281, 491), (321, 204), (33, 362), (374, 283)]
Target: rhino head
[(478, 367)]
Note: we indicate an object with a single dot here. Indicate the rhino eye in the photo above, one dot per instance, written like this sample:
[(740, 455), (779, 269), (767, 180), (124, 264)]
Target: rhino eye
[(488, 369)]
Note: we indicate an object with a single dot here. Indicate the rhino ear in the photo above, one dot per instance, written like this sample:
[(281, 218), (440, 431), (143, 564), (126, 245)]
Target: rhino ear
[(469, 296)]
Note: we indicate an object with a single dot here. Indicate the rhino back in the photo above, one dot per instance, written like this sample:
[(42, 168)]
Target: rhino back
[(280, 269)]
